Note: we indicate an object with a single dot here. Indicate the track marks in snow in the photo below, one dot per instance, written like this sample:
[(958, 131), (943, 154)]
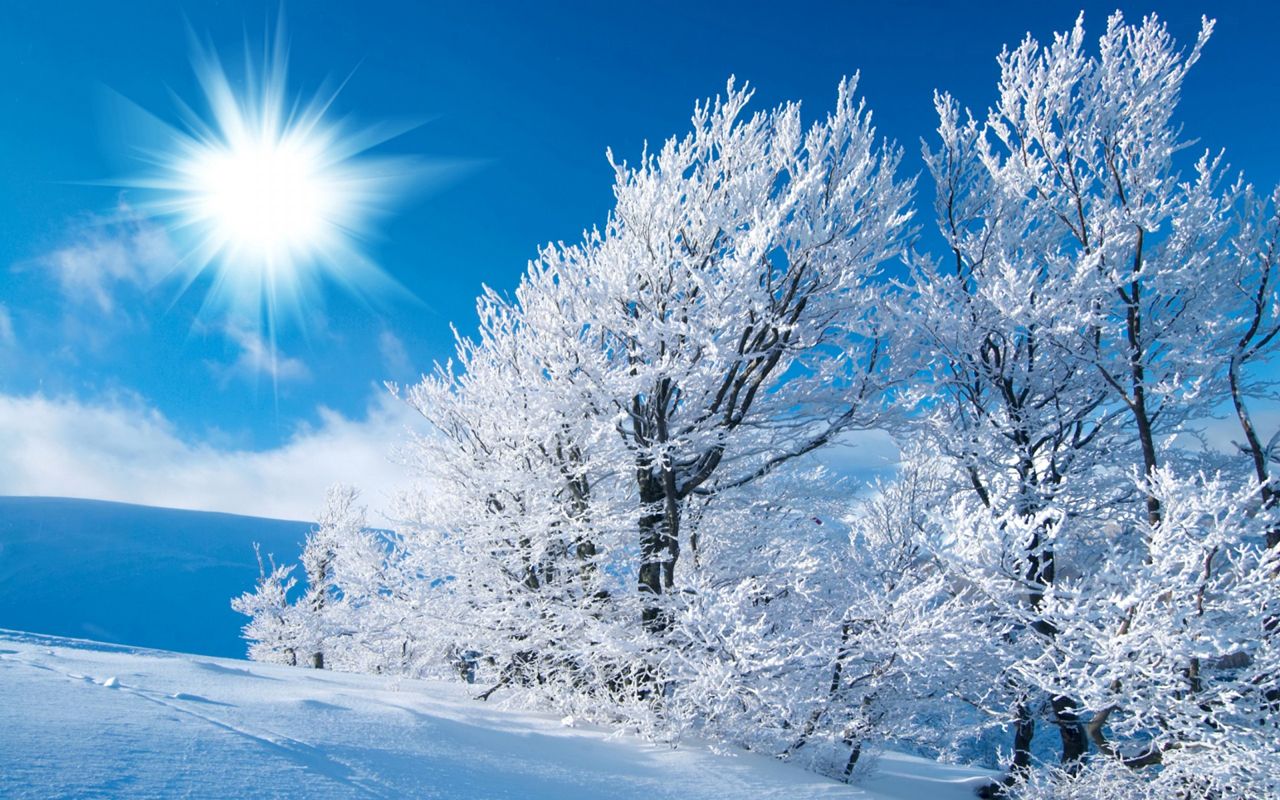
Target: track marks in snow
[(301, 753), (197, 729), (304, 755), (219, 669)]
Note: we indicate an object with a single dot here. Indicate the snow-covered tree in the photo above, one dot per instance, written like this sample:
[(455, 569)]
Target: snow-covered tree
[(1021, 420), (1164, 642), (618, 514), (272, 630), (1079, 321), (722, 323), (901, 641), (1253, 298), (339, 558), (1090, 148), (334, 542), (733, 295), (507, 548)]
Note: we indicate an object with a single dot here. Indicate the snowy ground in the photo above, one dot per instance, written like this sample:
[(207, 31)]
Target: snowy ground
[(80, 719), (113, 572)]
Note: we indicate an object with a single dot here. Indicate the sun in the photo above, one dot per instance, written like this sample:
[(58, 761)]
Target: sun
[(267, 199), (270, 197)]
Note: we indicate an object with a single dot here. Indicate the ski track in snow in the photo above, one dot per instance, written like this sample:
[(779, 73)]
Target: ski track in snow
[(191, 726), (304, 754)]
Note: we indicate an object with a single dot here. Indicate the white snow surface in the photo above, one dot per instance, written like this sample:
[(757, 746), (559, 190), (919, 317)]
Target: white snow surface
[(175, 725), (137, 575)]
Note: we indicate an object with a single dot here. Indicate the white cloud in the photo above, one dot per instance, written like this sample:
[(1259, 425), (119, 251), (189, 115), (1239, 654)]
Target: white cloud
[(861, 457), (258, 357), (128, 452), (105, 255)]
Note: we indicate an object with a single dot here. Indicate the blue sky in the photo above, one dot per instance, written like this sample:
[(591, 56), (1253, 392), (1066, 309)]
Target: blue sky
[(110, 386)]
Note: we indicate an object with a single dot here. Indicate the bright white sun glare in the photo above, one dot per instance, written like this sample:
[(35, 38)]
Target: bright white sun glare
[(266, 198), (268, 193)]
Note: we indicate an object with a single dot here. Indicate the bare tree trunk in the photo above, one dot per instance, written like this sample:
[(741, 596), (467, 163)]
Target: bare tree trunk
[(1075, 745), (1065, 709), (1256, 450), (1024, 730), (1137, 402), (650, 577), (659, 548), (854, 755), (837, 673)]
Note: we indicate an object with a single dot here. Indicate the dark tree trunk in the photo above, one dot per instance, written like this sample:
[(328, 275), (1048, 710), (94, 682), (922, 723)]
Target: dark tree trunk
[(854, 755), (1024, 730), (1075, 745), (658, 550), (651, 538), (1256, 450), (1142, 415), (1041, 571), (317, 660), (1146, 437), (837, 672)]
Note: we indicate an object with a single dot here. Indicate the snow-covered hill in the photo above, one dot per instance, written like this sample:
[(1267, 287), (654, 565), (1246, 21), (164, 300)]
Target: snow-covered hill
[(152, 577), (86, 720)]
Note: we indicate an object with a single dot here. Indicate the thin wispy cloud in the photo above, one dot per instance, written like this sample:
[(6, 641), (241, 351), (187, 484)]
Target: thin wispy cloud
[(395, 358), (7, 337), (104, 256), (258, 359)]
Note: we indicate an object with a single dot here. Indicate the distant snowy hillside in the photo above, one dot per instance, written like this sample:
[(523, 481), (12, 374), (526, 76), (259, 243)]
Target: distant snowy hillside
[(78, 719), (152, 577)]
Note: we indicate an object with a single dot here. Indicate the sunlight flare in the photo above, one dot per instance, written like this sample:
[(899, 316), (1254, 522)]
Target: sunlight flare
[(269, 196)]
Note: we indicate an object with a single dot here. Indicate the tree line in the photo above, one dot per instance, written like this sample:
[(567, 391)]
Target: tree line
[(622, 511)]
